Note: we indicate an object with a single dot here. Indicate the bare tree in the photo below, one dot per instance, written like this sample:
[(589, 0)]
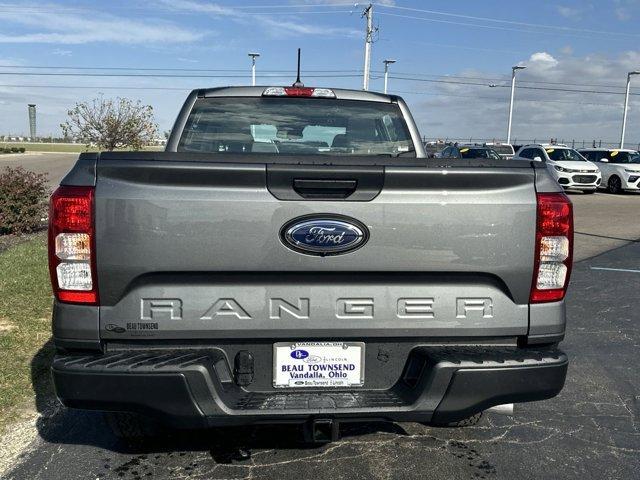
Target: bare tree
[(111, 124)]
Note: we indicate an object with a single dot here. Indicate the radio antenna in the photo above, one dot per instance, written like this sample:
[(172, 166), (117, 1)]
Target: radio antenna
[(298, 83)]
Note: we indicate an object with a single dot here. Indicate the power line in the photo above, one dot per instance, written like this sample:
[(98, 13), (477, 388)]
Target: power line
[(510, 22), (186, 89), (43, 8), (161, 75), (529, 100), (169, 69), (491, 27), (96, 87), (524, 87), (317, 75), (504, 79), (285, 71)]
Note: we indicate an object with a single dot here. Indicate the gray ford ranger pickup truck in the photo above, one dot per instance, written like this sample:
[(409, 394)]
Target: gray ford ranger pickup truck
[(294, 257)]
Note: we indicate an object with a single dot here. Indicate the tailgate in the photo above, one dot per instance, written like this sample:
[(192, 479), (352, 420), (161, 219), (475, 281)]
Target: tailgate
[(194, 250)]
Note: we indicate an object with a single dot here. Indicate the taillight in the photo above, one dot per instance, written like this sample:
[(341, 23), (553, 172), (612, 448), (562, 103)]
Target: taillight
[(72, 257), (554, 247)]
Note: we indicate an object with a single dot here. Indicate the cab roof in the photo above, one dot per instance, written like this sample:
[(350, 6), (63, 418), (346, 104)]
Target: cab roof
[(340, 93), (604, 149), (546, 145)]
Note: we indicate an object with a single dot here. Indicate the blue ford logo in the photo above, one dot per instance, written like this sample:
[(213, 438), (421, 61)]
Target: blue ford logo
[(299, 354), (324, 234)]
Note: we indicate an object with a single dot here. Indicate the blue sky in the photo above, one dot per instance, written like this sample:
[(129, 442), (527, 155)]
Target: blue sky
[(448, 53)]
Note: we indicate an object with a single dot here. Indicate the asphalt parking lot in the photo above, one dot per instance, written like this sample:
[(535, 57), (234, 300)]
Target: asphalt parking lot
[(54, 165), (590, 431)]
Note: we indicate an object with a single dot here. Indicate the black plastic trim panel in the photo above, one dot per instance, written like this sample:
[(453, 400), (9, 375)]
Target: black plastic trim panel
[(194, 388)]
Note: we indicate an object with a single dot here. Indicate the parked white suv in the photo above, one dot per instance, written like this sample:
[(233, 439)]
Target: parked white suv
[(566, 165), (620, 168)]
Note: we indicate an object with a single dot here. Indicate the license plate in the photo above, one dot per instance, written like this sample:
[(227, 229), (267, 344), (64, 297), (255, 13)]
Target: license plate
[(318, 364)]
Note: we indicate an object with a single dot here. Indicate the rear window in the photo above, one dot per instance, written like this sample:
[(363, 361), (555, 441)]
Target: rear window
[(296, 126), (467, 152), (502, 149)]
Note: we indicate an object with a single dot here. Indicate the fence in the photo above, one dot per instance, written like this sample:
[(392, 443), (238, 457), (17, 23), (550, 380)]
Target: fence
[(524, 141)]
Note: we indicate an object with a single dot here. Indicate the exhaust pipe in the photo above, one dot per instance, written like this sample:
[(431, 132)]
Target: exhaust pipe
[(504, 409)]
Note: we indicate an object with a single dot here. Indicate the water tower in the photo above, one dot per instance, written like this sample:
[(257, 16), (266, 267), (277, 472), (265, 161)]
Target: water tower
[(32, 121)]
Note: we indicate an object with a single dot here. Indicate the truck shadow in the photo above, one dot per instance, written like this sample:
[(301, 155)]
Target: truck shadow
[(41, 383), (62, 426)]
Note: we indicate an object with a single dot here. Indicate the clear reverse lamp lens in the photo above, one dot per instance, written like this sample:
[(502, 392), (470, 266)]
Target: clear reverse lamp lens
[(74, 276), (73, 246), (551, 275), (554, 249), (323, 92), (274, 92)]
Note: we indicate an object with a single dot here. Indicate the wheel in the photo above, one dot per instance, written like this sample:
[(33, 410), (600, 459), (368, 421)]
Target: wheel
[(465, 422), (131, 426), (614, 185)]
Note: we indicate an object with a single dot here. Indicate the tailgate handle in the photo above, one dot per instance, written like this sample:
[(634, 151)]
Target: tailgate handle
[(324, 188)]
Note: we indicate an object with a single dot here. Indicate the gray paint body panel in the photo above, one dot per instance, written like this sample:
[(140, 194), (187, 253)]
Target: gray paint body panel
[(173, 230), (547, 318)]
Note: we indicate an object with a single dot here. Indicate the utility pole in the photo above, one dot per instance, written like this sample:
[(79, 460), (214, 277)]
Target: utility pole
[(368, 12), (253, 67), (513, 91), (626, 106), (387, 62)]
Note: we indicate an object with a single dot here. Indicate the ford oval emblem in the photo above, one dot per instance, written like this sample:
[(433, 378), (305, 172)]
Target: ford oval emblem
[(299, 354), (324, 234)]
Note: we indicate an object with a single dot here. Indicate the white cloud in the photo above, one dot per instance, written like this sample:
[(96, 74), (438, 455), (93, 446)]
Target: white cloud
[(568, 12), (55, 24), (542, 61), (567, 50), (622, 14), (542, 110), (385, 3), (61, 52), (282, 26)]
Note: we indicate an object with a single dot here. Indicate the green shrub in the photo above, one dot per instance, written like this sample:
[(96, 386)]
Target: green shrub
[(23, 200), (14, 150), (21, 150)]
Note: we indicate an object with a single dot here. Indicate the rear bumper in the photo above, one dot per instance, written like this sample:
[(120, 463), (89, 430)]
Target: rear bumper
[(193, 389)]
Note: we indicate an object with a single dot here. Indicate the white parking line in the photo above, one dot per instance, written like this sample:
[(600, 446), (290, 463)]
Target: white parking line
[(615, 269), (632, 195)]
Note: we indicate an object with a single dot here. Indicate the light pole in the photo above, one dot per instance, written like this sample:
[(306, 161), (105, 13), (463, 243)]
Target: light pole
[(387, 62), (626, 106), (253, 67), (368, 12), (513, 91)]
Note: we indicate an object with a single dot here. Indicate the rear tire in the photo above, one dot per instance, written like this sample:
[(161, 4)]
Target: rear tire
[(614, 185), (465, 422), (131, 426)]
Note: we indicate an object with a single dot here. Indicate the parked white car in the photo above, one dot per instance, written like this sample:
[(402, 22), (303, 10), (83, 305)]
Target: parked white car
[(570, 169), (620, 168)]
